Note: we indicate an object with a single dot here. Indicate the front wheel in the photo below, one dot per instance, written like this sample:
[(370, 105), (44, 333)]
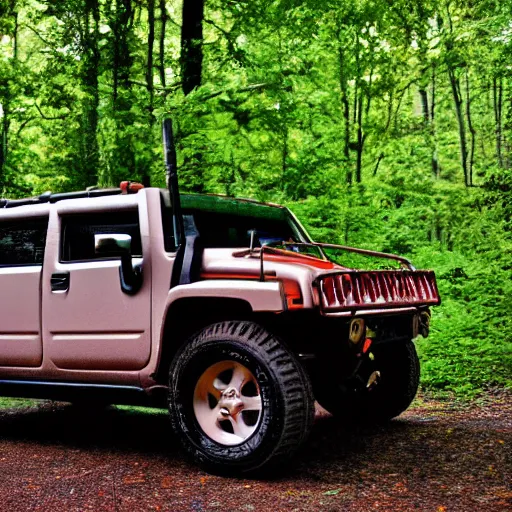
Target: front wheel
[(239, 399), (387, 384)]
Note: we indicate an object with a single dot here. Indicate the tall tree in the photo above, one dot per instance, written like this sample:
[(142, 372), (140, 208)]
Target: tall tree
[(192, 44), (90, 71), (9, 29), (161, 42), (453, 64)]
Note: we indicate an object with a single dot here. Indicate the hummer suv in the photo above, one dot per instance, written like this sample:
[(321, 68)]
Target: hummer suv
[(222, 309)]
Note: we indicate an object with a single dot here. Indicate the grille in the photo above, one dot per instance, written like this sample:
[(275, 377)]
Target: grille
[(381, 289)]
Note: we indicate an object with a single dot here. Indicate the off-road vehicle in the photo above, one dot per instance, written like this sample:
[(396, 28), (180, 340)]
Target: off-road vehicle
[(223, 309)]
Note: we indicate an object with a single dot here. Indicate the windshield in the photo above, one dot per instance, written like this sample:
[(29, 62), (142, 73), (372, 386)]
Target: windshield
[(222, 230), (233, 226)]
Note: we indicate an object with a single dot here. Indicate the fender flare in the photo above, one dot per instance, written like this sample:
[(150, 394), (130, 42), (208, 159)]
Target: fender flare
[(261, 296)]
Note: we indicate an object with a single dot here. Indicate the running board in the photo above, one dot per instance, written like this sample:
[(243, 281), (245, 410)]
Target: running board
[(76, 392)]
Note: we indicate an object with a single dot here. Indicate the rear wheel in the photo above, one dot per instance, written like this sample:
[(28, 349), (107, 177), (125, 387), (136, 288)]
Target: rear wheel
[(239, 399), (385, 387)]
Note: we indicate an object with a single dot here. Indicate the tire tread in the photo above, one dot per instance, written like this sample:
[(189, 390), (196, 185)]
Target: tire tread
[(297, 395)]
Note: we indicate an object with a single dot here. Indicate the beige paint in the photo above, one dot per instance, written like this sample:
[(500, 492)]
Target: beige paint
[(94, 332), (20, 328), (95, 325), (20, 303)]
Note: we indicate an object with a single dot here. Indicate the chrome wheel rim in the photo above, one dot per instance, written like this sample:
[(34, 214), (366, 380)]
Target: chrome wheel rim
[(227, 403)]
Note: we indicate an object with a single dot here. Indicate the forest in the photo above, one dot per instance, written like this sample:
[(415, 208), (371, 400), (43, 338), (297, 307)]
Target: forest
[(383, 124)]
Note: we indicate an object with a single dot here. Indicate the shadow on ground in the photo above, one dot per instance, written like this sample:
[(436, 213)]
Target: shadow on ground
[(433, 458), (402, 446), (116, 429)]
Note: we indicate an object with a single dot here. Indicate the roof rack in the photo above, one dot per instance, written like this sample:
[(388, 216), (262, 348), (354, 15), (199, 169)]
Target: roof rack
[(126, 187)]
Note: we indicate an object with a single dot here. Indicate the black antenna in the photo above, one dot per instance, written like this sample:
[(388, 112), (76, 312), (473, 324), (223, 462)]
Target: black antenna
[(171, 174)]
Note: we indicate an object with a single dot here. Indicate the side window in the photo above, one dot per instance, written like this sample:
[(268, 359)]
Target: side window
[(78, 233), (23, 242)]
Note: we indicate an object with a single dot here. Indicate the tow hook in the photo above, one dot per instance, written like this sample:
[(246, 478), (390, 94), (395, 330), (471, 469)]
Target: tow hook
[(424, 322), (373, 380)]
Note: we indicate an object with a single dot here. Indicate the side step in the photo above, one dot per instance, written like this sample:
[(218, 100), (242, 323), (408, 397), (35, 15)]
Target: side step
[(74, 392)]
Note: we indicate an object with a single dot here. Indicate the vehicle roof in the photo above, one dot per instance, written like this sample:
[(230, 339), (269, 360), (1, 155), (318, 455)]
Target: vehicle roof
[(202, 202)]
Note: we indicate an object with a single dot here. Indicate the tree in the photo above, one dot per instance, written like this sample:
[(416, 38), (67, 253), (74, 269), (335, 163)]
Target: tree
[(192, 44), (9, 30)]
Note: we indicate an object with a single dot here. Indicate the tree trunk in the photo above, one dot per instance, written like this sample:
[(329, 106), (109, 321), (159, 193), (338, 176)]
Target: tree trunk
[(457, 99), (360, 138), (163, 23), (91, 59), (345, 106), (358, 113), (192, 44), (6, 101), (497, 89), (145, 173), (379, 160), (284, 159), (436, 168), (149, 63), (5, 141), (471, 130), (123, 160), (15, 37), (424, 105), (125, 18), (356, 84), (121, 63)]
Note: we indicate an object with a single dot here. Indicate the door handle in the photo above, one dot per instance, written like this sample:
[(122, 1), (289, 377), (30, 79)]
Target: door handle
[(60, 282)]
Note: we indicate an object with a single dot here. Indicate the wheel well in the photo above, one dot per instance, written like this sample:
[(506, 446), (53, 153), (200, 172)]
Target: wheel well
[(205, 311)]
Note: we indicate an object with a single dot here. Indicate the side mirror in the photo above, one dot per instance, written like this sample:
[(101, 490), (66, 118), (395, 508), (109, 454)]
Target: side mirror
[(112, 245), (120, 245)]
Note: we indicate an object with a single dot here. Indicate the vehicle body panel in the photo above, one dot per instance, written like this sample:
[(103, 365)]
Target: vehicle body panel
[(20, 316), (20, 302)]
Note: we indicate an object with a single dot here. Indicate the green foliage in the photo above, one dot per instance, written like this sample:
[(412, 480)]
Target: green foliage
[(470, 346), (9, 403), (444, 228)]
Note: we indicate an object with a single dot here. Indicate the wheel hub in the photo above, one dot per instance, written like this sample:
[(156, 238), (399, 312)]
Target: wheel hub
[(230, 402), (227, 403)]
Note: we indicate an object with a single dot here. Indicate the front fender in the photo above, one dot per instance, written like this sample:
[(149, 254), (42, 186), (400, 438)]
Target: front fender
[(262, 296)]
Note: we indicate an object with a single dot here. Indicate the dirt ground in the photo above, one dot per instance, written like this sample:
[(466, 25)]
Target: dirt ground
[(437, 457)]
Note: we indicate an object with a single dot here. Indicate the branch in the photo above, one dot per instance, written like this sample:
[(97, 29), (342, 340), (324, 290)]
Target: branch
[(47, 118), (225, 32), (249, 88), (136, 82), (24, 124), (45, 41), (376, 168), (233, 49), (167, 89), (175, 23)]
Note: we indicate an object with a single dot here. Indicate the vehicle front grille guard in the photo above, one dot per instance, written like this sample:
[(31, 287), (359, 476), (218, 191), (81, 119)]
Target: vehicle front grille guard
[(349, 290)]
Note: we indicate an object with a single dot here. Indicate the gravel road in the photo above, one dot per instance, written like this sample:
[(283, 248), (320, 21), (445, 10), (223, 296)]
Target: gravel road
[(437, 457)]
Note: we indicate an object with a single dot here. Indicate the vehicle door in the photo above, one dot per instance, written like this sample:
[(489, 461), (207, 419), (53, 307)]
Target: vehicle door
[(22, 244), (91, 321)]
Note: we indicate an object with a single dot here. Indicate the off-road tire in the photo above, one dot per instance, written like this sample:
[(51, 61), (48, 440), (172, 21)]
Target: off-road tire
[(399, 369), (287, 401)]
